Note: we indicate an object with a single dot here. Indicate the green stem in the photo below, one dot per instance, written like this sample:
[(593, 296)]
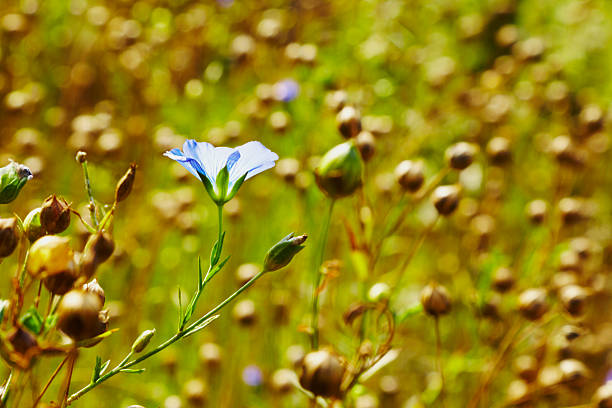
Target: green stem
[(92, 204), (165, 344), (220, 214), (317, 279), (5, 390)]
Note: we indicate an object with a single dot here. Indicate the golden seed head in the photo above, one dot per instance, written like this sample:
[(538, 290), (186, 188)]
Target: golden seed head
[(55, 215), (460, 155), (446, 198), (409, 175), (348, 121), (9, 236), (79, 315), (322, 374), (532, 303), (436, 300)]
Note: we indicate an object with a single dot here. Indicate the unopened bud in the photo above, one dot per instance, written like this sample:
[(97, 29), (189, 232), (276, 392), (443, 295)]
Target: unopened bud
[(436, 300), (446, 198), (13, 177), (409, 175), (124, 186), (9, 236), (32, 226), (143, 340), (81, 156), (339, 171), (283, 252), (55, 215)]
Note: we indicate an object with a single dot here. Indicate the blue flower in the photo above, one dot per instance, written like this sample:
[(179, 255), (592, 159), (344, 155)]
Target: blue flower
[(286, 90), (222, 170)]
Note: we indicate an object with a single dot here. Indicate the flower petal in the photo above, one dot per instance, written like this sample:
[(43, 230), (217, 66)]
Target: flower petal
[(177, 155), (254, 158)]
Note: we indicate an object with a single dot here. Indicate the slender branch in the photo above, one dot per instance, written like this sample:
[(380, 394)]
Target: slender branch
[(92, 204), (439, 358), (5, 390), (48, 384), (317, 278)]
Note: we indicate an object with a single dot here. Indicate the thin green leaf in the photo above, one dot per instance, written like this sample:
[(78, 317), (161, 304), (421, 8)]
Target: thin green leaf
[(200, 280), (202, 325), (132, 370), (97, 369), (216, 251), (94, 340), (104, 367), (180, 302), (411, 311), (215, 270)]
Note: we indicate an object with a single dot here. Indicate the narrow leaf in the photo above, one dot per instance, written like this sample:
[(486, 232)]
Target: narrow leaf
[(132, 371), (97, 369), (202, 325)]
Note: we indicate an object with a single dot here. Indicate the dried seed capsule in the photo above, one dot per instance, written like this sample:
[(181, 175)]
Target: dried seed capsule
[(532, 303), (536, 211), (566, 152), (125, 184), (572, 210), (574, 372), (582, 246), (436, 300), (571, 332), (195, 391), (322, 374), (336, 100), (32, 225), (244, 312), (9, 236), (527, 367), (603, 396), (95, 288), (348, 121), (518, 393), (79, 315), (210, 354), (366, 144), (498, 150), (339, 171), (490, 307), (409, 175), (283, 380), (503, 279), (51, 256), (573, 298), (287, 169), (100, 246), (460, 155), (81, 156), (55, 215), (446, 198)]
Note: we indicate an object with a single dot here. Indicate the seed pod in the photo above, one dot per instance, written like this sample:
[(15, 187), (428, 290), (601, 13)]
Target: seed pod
[(22, 341), (196, 392), (490, 307), (532, 303), (287, 169), (100, 246), (460, 155), (48, 256), (571, 332), (55, 215), (283, 380), (94, 287), (498, 150), (573, 298), (518, 393), (582, 246), (210, 354), (572, 210), (81, 156), (336, 100), (536, 211), (244, 312), (566, 152), (436, 300), (526, 367), (603, 396), (125, 184), (79, 315), (366, 144), (322, 374), (379, 292), (9, 236), (574, 372), (32, 226), (446, 198), (503, 280), (348, 121), (339, 171), (409, 175)]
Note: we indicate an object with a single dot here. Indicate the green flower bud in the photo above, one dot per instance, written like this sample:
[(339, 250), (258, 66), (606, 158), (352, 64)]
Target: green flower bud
[(339, 171), (32, 226), (143, 340), (12, 179), (283, 252)]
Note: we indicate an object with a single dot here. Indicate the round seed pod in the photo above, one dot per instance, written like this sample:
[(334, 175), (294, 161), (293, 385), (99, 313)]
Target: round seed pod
[(9, 236), (436, 300), (532, 303), (22, 341), (94, 287), (211, 355), (283, 380), (287, 169), (348, 121), (52, 260), (566, 152), (574, 372), (195, 391), (61, 282), (603, 396), (336, 100), (536, 211), (366, 144), (322, 374), (549, 379), (572, 210), (339, 171), (490, 307), (98, 249), (518, 393), (570, 261), (243, 47), (591, 119), (583, 247), (244, 312), (460, 155), (409, 175), (573, 298), (571, 332), (31, 225), (527, 367), (446, 198), (79, 315), (498, 151), (55, 215), (503, 280)]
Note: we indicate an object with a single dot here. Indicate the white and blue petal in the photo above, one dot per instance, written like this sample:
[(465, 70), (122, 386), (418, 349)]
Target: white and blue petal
[(254, 158)]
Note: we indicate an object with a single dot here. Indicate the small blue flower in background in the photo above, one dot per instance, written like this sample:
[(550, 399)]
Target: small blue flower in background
[(609, 376), (252, 376), (222, 170), (286, 90)]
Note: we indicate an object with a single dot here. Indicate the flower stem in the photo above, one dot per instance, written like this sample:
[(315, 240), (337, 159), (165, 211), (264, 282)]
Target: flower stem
[(5, 390), (439, 358), (177, 336), (92, 204), (220, 214), (317, 279)]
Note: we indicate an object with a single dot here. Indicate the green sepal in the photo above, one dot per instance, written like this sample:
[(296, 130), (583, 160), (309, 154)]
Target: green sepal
[(222, 184), (236, 187), (216, 251), (209, 187), (32, 320)]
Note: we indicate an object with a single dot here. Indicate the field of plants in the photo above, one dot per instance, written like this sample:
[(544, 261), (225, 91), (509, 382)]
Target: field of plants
[(305, 203)]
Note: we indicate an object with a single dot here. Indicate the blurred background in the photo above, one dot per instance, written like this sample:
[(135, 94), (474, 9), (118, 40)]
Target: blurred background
[(127, 80)]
